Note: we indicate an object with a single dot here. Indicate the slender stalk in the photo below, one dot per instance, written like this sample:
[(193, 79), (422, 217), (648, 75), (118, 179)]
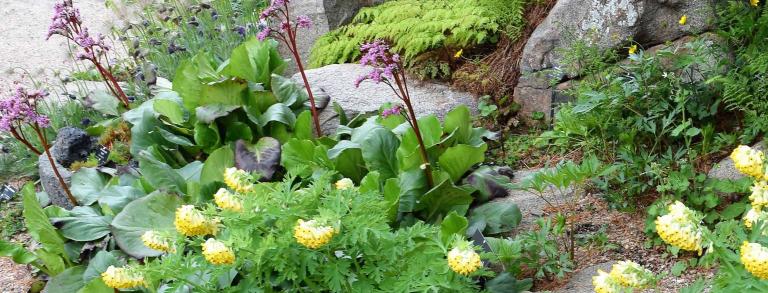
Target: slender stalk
[(64, 186), (25, 142), (116, 89), (422, 149), (291, 42)]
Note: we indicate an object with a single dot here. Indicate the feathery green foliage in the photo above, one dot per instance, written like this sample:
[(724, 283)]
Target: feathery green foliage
[(415, 27)]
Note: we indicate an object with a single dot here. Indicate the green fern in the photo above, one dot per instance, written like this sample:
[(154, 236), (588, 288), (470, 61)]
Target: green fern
[(415, 27)]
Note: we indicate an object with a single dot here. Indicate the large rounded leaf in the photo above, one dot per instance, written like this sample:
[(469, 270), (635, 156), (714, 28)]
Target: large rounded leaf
[(84, 224), (153, 212), (213, 168), (262, 157), (68, 281), (87, 184)]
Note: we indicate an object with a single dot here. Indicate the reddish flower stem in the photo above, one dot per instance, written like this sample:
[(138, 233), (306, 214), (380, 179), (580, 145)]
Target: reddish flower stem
[(291, 43), (400, 80), (64, 186), (20, 138)]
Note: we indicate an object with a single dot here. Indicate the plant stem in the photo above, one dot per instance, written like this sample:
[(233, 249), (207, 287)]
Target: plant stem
[(25, 142), (64, 186), (114, 87), (415, 124), (291, 42)]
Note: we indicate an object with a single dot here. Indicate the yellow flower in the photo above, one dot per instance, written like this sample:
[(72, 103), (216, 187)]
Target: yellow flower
[(217, 253), (154, 240), (683, 19), (755, 259), (631, 274), (227, 201), (238, 180), (311, 234), (463, 259), (603, 283), (759, 196), (344, 184), (753, 215), (632, 49), (192, 222), (754, 2), (679, 228), (458, 53), (748, 161), (122, 278)]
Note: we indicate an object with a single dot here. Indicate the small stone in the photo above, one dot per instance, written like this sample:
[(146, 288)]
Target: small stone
[(72, 145)]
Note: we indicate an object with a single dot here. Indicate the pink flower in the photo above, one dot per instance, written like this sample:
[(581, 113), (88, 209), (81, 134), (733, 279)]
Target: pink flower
[(392, 111), (303, 21), (22, 108), (264, 34), (384, 63)]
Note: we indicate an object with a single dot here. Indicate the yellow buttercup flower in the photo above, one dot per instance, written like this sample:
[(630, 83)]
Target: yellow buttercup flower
[(463, 259), (755, 259), (122, 278), (630, 274), (154, 240), (754, 2), (344, 184), (216, 252), (458, 53), (680, 228), (238, 180), (759, 196), (227, 201), (311, 234), (603, 283), (683, 19), (192, 222), (753, 215), (632, 49), (748, 161)]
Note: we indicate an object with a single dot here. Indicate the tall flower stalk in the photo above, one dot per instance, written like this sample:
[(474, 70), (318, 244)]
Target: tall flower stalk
[(20, 110), (278, 13), (67, 22), (388, 69)]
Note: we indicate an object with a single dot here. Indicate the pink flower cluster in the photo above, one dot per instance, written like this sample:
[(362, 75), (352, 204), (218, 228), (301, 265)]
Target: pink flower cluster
[(67, 22), (22, 108), (396, 110), (384, 63), (279, 10)]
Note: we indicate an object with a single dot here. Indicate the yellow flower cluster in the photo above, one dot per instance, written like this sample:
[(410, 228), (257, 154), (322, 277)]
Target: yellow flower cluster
[(759, 196), (238, 180), (311, 234), (680, 228), (344, 184), (749, 161), (755, 259), (227, 201), (754, 3), (623, 275), (122, 278), (154, 240), (463, 259), (192, 222), (216, 252)]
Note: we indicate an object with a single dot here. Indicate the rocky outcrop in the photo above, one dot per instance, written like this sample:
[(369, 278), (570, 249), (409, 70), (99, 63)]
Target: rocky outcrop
[(71, 145), (50, 183), (338, 82), (602, 23)]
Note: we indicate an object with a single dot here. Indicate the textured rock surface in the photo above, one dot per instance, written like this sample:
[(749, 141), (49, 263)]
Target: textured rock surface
[(72, 145), (610, 23), (726, 169), (581, 281), (338, 81), (51, 184)]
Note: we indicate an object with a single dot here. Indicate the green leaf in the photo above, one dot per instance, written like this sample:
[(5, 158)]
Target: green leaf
[(207, 136), (160, 175), (144, 134), (412, 185), (459, 120), (170, 109), (238, 131), (152, 212), (444, 199), (392, 198), (70, 280), (262, 157), (104, 102), (227, 92), (175, 139), (457, 160), (38, 225), (210, 112), (255, 61), (350, 164), (495, 217), (87, 184), (116, 197), (303, 157), (99, 264), (96, 286), (734, 210), (678, 268), (192, 171), (84, 224), (453, 223), (370, 183), (379, 149), (288, 91), (213, 169), (16, 252), (303, 127), (506, 283), (278, 113)]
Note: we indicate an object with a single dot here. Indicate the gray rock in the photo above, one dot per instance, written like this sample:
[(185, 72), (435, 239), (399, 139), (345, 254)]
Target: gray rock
[(72, 145), (610, 23), (338, 81), (581, 281), (51, 184), (725, 169)]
